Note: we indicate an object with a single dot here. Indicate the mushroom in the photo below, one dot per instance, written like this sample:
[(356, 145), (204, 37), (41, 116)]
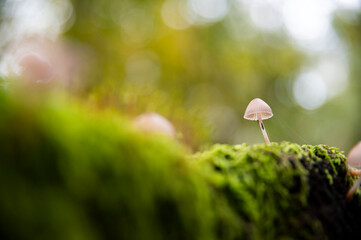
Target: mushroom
[(36, 67), (353, 189), (258, 110), (354, 160), (153, 122), (36, 61)]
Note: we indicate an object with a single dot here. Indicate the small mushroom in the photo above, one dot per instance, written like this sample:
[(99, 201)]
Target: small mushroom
[(258, 110), (354, 160), (353, 189), (36, 67), (154, 123)]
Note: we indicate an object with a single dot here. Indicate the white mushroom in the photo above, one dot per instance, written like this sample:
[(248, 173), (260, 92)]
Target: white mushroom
[(258, 110), (153, 122), (35, 67), (353, 189), (354, 160)]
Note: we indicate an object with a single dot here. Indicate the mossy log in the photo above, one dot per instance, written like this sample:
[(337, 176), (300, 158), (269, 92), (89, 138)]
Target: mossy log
[(283, 191), (69, 172)]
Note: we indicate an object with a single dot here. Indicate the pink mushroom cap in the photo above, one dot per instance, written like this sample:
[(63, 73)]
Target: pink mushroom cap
[(154, 123), (354, 156), (258, 108)]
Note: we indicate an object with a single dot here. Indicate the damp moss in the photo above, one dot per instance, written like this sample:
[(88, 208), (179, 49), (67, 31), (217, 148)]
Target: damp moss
[(266, 185), (329, 176), (283, 190), (71, 172)]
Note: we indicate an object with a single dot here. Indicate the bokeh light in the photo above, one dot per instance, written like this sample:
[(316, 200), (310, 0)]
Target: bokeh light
[(307, 20), (143, 68), (265, 16), (310, 90), (174, 14), (28, 17), (349, 4), (209, 10)]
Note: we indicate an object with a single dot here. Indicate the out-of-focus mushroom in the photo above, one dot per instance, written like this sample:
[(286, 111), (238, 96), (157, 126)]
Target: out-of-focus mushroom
[(35, 67), (353, 189), (354, 160), (47, 63), (154, 123), (258, 110)]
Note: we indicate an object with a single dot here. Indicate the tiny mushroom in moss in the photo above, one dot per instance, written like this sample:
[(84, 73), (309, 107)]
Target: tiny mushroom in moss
[(154, 123), (353, 189), (354, 160), (258, 110)]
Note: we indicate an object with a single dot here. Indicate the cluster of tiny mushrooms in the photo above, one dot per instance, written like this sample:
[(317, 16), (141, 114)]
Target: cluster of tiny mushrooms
[(259, 110)]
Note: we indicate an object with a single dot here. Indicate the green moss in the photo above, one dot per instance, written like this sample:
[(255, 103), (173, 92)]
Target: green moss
[(70, 172), (329, 176), (266, 185), (278, 190)]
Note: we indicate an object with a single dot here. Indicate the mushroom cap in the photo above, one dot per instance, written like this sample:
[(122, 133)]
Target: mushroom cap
[(36, 67), (154, 123), (258, 107), (354, 156)]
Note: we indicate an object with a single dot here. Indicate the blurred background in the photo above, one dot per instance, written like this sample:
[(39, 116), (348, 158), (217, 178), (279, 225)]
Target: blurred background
[(197, 62)]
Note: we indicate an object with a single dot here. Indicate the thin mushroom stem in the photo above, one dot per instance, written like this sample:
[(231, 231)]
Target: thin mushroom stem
[(352, 190), (263, 129)]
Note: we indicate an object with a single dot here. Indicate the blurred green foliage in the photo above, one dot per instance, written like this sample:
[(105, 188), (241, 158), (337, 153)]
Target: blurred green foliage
[(351, 34), (203, 77), (141, 56), (205, 70)]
